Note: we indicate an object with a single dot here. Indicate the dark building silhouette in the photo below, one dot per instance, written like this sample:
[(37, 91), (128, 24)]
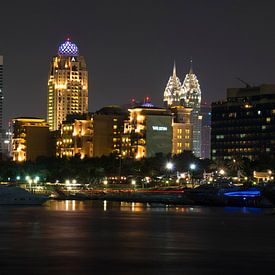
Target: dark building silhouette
[(244, 124)]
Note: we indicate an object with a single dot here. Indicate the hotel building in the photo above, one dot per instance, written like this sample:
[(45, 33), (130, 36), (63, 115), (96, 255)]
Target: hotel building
[(31, 139), (76, 137), (108, 130), (67, 85), (149, 132)]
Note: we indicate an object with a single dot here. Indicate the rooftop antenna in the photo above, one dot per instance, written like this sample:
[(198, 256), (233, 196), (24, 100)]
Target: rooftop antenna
[(247, 85)]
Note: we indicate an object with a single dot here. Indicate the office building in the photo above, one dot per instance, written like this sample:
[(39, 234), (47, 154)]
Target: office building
[(31, 139), (244, 124), (67, 85)]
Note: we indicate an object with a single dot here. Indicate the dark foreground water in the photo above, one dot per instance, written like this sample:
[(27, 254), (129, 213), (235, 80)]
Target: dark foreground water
[(69, 237)]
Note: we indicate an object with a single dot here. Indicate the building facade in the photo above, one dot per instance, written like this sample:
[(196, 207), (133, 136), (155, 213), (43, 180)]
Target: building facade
[(149, 132), (244, 124), (1, 108), (67, 85), (108, 130), (182, 130), (206, 131), (31, 139), (192, 99), (76, 137)]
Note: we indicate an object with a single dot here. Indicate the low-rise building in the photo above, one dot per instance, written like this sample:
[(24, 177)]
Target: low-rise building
[(149, 131), (76, 137), (108, 130), (31, 139)]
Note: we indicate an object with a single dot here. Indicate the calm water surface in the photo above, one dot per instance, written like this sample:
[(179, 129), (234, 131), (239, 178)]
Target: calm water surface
[(97, 237)]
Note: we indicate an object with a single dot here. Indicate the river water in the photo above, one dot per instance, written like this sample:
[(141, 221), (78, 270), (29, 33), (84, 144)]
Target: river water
[(96, 237)]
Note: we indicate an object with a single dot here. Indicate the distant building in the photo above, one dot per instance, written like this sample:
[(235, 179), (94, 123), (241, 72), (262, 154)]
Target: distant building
[(244, 124), (149, 131), (108, 129), (206, 131), (187, 94), (182, 129), (1, 108), (192, 99), (76, 137), (67, 85), (173, 93), (31, 139)]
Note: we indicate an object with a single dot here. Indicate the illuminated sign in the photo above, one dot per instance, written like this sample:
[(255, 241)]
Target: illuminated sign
[(159, 128)]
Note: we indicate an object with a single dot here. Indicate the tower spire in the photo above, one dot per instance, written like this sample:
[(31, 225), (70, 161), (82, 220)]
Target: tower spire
[(174, 70), (191, 66)]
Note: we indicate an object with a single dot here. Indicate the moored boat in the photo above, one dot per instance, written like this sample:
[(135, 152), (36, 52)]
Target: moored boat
[(14, 195)]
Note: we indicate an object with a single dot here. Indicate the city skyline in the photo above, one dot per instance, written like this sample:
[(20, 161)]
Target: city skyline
[(134, 60)]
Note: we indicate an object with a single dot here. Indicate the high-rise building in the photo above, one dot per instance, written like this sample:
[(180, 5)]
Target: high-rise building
[(31, 139), (67, 85), (244, 124), (1, 107), (206, 131), (173, 92), (76, 137), (150, 131), (192, 99)]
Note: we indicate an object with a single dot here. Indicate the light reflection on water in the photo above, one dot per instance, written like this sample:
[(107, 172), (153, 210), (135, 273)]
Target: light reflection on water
[(76, 205), (104, 237)]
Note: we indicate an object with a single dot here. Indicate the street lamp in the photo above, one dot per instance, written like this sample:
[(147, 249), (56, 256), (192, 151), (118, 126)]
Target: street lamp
[(222, 172), (192, 167), (169, 165)]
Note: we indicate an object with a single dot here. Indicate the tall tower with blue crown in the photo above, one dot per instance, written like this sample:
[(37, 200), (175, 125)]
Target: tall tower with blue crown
[(67, 85)]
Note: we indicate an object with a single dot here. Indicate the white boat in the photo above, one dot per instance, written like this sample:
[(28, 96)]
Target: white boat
[(14, 195)]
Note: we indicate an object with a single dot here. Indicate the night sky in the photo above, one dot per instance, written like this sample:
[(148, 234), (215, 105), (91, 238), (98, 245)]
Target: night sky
[(130, 46)]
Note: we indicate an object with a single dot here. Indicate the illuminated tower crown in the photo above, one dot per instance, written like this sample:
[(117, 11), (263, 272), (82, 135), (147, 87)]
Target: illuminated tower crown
[(192, 99), (191, 89), (173, 92)]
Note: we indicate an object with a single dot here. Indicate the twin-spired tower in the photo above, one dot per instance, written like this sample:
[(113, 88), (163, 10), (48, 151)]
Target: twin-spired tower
[(67, 85), (187, 94)]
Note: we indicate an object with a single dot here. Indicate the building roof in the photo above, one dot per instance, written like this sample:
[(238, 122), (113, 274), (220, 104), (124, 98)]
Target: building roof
[(111, 110), (68, 48)]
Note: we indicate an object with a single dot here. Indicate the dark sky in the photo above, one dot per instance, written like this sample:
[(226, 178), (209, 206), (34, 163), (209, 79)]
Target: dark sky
[(130, 46)]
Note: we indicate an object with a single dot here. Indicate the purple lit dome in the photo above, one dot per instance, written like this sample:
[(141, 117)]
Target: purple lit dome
[(68, 48)]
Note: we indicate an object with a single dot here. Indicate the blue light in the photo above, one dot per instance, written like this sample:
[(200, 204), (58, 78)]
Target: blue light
[(147, 104), (68, 48), (244, 194)]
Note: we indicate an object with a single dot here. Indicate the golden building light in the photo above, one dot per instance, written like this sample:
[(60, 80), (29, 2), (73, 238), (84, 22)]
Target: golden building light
[(67, 85)]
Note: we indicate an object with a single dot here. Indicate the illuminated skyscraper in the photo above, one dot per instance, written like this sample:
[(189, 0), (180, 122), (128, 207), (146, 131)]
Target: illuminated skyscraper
[(192, 99), (1, 106), (67, 85), (173, 92)]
